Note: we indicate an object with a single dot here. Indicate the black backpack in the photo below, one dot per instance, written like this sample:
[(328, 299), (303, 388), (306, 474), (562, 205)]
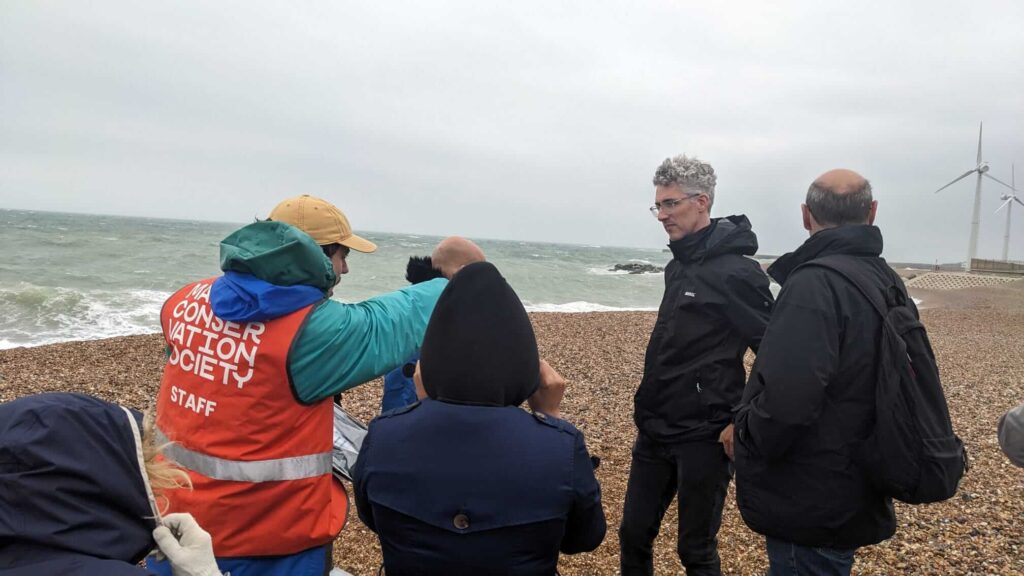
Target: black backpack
[(912, 455)]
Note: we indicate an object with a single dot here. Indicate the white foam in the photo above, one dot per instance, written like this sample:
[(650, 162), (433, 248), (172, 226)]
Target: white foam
[(52, 315), (606, 272), (572, 307)]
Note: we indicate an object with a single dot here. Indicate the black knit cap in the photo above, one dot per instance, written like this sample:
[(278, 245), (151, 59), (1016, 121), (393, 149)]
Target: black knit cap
[(479, 348)]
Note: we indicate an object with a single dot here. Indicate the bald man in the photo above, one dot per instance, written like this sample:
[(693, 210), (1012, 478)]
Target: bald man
[(810, 396), (454, 252)]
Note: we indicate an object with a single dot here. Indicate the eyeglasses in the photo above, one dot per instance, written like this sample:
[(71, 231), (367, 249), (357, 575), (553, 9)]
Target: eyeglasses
[(670, 205)]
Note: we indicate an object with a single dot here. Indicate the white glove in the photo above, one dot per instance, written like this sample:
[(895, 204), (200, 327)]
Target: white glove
[(187, 546)]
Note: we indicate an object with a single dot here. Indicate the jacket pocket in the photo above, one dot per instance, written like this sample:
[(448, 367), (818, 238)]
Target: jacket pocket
[(716, 397), (673, 401)]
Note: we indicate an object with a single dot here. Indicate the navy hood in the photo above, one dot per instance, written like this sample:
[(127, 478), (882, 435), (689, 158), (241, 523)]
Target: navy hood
[(479, 348), (71, 479)]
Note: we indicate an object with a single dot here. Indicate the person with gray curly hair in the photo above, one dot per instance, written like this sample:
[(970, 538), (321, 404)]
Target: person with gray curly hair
[(716, 306), (689, 173)]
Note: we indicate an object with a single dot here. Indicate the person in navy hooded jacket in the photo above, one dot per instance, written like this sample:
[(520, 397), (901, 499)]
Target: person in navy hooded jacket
[(498, 490), (77, 482)]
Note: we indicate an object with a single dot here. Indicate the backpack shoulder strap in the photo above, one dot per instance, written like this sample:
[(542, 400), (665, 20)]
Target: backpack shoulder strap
[(841, 265)]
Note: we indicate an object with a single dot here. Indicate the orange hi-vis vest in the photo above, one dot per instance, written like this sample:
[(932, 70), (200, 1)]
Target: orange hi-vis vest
[(260, 461)]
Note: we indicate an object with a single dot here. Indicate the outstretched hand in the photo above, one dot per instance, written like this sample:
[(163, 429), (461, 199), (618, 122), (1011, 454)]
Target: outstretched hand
[(549, 394), (186, 545)]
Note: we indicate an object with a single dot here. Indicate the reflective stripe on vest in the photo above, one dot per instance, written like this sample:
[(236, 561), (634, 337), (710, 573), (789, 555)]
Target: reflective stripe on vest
[(295, 468)]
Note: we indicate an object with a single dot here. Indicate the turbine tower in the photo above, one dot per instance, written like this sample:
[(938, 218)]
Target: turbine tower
[(981, 168), (1010, 199)]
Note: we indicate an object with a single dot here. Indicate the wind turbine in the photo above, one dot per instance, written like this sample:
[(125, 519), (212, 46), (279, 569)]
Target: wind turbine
[(1010, 199), (982, 170)]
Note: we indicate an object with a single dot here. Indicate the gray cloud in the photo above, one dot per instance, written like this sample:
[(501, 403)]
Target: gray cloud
[(529, 121)]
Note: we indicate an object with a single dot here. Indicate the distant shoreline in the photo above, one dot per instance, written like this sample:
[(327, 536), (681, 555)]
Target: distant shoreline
[(1010, 296), (370, 233)]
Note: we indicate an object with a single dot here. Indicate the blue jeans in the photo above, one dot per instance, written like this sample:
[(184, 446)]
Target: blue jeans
[(313, 562), (788, 559)]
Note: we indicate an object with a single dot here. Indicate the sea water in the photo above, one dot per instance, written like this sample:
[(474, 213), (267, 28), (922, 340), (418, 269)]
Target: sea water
[(80, 277)]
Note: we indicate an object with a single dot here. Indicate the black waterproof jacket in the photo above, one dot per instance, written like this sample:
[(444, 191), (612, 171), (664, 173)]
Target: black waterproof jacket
[(810, 402), (716, 305)]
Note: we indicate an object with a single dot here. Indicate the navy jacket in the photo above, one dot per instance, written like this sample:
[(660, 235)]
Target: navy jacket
[(72, 497), (459, 489)]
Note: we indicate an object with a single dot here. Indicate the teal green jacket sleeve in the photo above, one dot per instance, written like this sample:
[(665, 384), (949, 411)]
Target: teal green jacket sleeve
[(344, 345)]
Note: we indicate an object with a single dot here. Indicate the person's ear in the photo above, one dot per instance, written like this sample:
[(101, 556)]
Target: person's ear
[(808, 217), (417, 379), (705, 202), (871, 213)]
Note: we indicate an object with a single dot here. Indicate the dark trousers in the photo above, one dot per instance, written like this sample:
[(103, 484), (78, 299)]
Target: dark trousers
[(788, 559), (699, 473)]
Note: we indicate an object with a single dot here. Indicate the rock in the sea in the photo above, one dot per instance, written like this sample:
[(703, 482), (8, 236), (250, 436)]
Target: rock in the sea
[(637, 268)]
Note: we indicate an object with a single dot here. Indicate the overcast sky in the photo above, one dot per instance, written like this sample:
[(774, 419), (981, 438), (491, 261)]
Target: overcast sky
[(534, 121)]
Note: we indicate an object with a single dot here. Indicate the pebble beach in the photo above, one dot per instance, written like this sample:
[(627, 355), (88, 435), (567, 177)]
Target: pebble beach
[(977, 334)]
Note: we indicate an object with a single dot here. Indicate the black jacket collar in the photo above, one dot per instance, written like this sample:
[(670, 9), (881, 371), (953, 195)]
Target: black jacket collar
[(853, 240), (731, 234)]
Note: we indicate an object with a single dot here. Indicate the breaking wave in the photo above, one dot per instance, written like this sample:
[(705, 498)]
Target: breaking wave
[(580, 307), (33, 315)]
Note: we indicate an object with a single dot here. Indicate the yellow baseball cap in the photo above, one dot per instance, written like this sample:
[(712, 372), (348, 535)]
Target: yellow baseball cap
[(321, 220)]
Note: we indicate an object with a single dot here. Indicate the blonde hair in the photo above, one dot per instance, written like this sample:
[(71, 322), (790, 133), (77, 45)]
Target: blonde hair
[(163, 474)]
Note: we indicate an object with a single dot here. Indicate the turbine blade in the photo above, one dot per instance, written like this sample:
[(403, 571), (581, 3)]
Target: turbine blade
[(964, 175), (980, 124), (1017, 200), (998, 180), (1005, 204), (1013, 177)]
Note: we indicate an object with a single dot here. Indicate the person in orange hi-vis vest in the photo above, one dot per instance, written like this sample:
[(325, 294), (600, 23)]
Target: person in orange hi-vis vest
[(254, 358)]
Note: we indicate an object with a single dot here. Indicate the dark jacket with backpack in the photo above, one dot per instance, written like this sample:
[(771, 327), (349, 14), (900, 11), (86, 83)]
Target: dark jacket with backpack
[(810, 401), (716, 305)]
